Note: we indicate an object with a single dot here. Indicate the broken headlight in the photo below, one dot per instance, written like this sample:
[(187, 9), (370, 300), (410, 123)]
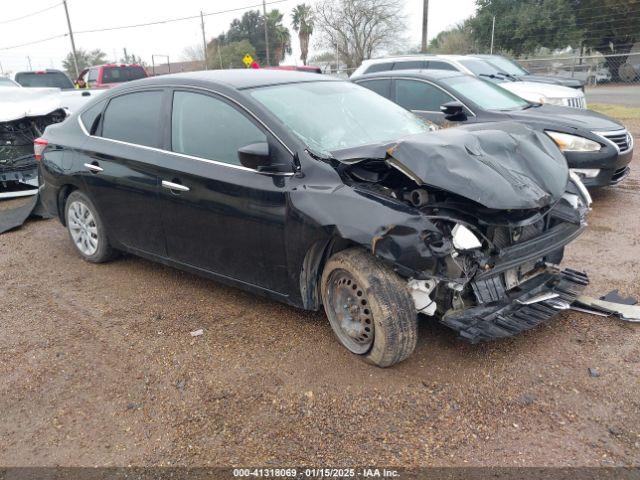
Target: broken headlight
[(464, 239), (573, 143)]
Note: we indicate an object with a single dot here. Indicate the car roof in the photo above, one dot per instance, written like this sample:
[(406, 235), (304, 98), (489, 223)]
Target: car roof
[(434, 75), (239, 79)]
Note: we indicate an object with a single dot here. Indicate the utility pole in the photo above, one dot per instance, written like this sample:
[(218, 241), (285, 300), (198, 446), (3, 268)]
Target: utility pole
[(493, 31), (204, 40), (425, 19), (29, 60), (73, 43), (266, 30), (337, 59), (219, 54)]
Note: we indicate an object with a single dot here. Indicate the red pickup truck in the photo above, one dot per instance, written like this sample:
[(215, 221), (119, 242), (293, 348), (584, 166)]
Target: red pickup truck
[(109, 75)]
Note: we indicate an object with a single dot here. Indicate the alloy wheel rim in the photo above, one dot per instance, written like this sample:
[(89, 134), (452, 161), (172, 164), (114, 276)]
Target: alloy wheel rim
[(83, 228), (351, 317)]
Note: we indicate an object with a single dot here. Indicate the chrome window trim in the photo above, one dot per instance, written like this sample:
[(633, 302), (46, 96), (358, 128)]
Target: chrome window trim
[(622, 131), (439, 87), (183, 155)]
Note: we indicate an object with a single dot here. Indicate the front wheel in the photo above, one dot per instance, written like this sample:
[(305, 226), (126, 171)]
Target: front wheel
[(369, 307), (86, 229)]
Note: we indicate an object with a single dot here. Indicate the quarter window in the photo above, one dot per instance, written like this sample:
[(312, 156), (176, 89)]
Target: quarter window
[(206, 127), (416, 95), (91, 117), (379, 67), (134, 118)]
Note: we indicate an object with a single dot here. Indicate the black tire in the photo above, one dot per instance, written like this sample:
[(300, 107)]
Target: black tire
[(103, 250), (383, 302)]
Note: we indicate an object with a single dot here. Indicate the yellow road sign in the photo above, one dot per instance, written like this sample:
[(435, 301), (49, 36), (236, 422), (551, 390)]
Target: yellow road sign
[(247, 60)]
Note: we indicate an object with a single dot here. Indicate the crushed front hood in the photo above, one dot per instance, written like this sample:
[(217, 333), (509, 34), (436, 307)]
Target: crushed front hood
[(504, 166), (17, 103)]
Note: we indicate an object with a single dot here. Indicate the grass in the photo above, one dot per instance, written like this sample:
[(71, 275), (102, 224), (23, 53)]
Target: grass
[(616, 111)]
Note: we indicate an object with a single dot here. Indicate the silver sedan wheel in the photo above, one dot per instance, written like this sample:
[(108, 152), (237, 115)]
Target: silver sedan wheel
[(83, 228)]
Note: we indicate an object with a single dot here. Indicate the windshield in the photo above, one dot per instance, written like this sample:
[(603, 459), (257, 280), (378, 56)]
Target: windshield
[(486, 95), (336, 115), (506, 65), (480, 67), (44, 79), (7, 82), (122, 74)]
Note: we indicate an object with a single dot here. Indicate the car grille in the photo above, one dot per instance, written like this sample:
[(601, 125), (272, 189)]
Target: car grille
[(621, 138), (577, 102)]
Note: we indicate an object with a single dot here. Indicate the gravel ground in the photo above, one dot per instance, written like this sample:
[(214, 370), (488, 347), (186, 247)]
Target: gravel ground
[(97, 367)]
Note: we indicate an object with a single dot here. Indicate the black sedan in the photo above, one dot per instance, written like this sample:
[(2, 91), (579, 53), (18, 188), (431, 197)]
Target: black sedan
[(596, 147), (317, 192)]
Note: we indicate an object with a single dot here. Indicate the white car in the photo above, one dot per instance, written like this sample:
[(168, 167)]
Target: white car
[(534, 92)]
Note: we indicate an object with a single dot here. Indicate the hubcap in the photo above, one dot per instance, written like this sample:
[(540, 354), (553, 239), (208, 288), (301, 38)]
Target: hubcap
[(351, 316), (83, 228)]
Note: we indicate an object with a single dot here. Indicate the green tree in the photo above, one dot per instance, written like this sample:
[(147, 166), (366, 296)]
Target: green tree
[(609, 26), (229, 55), (302, 20), (250, 27), (457, 40), (85, 59), (522, 26)]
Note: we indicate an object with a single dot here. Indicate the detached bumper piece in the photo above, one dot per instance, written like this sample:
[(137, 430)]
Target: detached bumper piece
[(533, 303)]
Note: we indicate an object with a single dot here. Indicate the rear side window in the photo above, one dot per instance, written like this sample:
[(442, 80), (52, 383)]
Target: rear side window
[(206, 127), (122, 74), (411, 65), (380, 67), (44, 79), (381, 87), (435, 65), (91, 118), (415, 95), (134, 118)]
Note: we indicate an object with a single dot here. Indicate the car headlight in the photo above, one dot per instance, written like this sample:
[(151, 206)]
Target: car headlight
[(464, 239), (557, 101), (574, 143)]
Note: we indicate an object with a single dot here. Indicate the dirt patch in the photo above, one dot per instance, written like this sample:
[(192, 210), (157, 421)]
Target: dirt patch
[(97, 367)]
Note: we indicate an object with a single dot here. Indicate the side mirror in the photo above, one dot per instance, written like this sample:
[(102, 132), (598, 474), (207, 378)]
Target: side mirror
[(453, 111), (255, 155)]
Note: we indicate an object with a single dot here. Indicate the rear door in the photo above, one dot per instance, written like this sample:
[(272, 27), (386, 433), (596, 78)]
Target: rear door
[(218, 215), (119, 165)]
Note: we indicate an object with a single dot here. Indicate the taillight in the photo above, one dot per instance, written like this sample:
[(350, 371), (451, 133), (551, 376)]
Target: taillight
[(39, 144)]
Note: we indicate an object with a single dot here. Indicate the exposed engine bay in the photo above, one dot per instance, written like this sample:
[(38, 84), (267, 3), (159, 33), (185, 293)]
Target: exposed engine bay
[(483, 251)]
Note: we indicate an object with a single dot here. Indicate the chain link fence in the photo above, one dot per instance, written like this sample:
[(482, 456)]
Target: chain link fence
[(592, 69)]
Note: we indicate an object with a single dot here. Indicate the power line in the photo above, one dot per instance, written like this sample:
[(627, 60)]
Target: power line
[(34, 42), (178, 19), (31, 14)]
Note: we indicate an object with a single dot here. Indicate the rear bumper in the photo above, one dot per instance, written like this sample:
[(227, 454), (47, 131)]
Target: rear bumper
[(513, 315)]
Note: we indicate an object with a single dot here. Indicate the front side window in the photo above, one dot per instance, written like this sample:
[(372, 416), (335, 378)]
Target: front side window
[(206, 127), (93, 74), (333, 115), (134, 118), (416, 95), (381, 87), (438, 65)]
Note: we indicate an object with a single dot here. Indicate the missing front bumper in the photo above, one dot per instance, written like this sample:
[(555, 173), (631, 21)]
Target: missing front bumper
[(516, 313)]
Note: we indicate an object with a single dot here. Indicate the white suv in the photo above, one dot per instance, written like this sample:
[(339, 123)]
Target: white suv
[(534, 92)]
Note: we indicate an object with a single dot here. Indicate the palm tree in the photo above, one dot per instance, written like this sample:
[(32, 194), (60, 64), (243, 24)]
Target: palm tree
[(280, 35), (302, 18)]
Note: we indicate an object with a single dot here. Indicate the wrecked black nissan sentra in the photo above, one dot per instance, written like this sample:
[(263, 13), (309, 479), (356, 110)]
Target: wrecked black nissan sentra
[(318, 192)]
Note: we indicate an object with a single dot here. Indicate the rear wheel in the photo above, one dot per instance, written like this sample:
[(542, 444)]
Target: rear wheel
[(86, 229), (369, 307)]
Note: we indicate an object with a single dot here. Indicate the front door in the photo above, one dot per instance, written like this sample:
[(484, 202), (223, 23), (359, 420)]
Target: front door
[(218, 215)]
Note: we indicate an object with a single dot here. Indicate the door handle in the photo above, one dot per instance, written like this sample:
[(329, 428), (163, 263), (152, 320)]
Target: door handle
[(94, 168), (178, 187)]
